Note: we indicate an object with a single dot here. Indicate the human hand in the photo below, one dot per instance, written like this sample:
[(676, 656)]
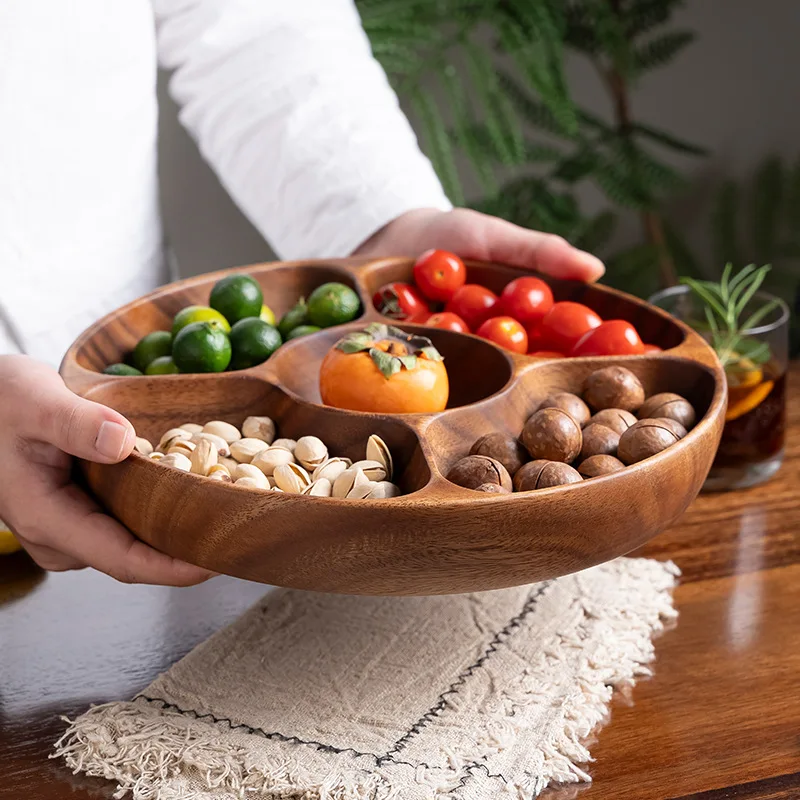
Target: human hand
[(42, 424), (471, 234)]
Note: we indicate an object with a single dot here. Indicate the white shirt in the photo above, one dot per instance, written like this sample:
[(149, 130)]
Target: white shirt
[(283, 96)]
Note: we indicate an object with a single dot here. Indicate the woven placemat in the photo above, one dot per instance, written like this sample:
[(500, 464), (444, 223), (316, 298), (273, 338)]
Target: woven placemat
[(326, 697)]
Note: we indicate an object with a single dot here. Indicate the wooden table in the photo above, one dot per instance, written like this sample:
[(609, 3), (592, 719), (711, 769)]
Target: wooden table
[(720, 718)]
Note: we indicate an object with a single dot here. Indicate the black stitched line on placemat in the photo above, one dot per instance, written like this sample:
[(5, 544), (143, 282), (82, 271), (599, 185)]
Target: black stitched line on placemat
[(441, 702), (325, 748)]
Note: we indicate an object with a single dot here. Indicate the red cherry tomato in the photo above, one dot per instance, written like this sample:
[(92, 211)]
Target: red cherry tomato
[(439, 273), (565, 323), (546, 354), (447, 321), (652, 348), (401, 301), (506, 332), (527, 300), (473, 303), (615, 337)]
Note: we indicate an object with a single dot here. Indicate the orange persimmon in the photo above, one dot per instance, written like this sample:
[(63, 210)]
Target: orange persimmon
[(382, 369)]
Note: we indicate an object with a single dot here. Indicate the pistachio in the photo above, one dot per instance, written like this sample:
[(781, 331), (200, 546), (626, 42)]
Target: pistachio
[(320, 488), (156, 455), (382, 490), (143, 446), (219, 472), (374, 470), (192, 427), (291, 478), (249, 471), (277, 489), (331, 469), (228, 462), (177, 460), (204, 457), (245, 450), (311, 452), (223, 448), (182, 446), (351, 477), (170, 437), (259, 428), (361, 491), (286, 444), (230, 433), (248, 483), (270, 458), (378, 450)]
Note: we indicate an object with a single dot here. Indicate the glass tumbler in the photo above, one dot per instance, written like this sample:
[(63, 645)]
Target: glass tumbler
[(751, 450)]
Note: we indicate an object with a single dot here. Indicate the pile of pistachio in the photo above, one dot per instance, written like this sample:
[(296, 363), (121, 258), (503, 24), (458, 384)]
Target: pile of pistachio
[(253, 458)]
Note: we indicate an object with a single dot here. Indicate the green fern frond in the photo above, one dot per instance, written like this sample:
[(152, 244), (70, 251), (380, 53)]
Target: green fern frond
[(611, 35), (767, 201), (540, 61), (500, 117), (596, 232), (668, 140), (634, 270), (439, 147), (617, 185), (477, 144), (725, 227), (534, 111), (660, 50), (395, 58), (645, 15), (578, 166)]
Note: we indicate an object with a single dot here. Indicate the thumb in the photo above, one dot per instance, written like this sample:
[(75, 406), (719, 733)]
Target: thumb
[(80, 427)]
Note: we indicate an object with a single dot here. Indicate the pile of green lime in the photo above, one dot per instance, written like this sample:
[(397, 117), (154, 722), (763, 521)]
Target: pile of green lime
[(235, 330)]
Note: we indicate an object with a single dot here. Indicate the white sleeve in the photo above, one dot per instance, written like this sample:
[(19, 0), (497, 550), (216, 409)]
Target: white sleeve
[(297, 118)]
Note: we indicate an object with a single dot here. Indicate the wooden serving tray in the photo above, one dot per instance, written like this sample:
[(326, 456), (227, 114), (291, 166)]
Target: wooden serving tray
[(436, 539)]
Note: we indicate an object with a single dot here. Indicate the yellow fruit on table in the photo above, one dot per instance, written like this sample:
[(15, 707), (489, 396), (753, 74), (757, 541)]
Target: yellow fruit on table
[(8, 542)]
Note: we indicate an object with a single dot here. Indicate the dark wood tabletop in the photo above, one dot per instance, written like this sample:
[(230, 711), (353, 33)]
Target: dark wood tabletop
[(719, 719)]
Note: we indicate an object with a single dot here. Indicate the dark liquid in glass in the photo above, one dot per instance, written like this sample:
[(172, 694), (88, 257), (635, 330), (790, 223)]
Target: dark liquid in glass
[(758, 434)]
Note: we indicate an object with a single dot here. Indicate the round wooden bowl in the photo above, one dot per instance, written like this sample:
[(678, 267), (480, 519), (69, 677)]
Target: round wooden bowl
[(437, 538)]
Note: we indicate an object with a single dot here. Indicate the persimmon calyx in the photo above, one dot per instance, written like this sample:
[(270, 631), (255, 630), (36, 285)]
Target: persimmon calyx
[(391, 349)]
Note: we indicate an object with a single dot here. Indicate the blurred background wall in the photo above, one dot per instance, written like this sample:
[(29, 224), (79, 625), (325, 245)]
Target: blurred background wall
[(734, 91)]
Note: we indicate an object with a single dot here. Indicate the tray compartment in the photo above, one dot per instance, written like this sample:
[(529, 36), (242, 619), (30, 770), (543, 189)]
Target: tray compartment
[(475, 367)]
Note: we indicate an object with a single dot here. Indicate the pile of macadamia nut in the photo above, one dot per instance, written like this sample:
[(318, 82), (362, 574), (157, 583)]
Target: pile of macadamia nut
[(569, 439)]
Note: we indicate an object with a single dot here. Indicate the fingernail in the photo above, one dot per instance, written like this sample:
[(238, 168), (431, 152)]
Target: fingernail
[(111, 439), (592, 262)]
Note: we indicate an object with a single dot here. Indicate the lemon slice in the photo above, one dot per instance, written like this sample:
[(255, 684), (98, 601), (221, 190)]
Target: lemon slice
[(8, 543), (743, 373), (749, 401)]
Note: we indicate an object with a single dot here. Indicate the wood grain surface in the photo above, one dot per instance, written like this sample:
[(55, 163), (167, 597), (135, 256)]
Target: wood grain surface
[(393, 546), (719, 720)]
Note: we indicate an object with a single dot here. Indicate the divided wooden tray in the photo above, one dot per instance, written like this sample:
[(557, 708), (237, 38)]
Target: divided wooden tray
[(436, 539)]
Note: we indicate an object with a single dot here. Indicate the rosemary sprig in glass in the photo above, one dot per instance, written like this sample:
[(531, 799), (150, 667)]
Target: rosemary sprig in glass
[(724, 304)]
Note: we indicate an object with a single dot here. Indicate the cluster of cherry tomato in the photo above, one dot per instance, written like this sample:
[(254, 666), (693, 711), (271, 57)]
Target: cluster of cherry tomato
[(524, 318)]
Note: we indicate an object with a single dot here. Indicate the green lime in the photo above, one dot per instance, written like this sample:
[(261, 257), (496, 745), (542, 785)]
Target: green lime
[(151, 347), (202, 347), (236, 297), (302, 330), (190, 314), (268, 315), (253, 341), (332, 304), (298, 315), (163, 365), (121, 369)]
